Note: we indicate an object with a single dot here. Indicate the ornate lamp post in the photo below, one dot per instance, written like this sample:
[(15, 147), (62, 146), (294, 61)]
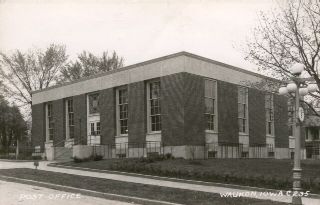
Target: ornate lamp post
[(299, 87)]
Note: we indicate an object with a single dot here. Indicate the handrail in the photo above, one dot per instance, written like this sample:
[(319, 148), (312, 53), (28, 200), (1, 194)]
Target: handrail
[(55, 145)]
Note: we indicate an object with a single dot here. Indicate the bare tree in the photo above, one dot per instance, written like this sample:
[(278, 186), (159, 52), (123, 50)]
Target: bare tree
[(287, 35), (88, 64), (21, 73)]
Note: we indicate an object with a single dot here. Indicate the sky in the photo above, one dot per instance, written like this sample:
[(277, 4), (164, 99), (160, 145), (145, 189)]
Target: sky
[(137, 30)]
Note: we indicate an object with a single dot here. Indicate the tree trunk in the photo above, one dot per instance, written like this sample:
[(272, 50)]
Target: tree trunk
[(17, 149)]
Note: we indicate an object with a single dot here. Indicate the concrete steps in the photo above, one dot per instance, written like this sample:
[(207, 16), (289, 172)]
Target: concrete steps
[(63, 153)]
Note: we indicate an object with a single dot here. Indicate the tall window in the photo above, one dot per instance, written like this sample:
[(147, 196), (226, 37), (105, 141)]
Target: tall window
[(50, 121), (122, 111), (154, 106), (210, 104), (70, 119), (243, 109), (269, 114)]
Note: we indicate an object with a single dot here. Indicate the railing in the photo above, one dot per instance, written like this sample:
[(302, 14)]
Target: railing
[(129, 150), (23, 152), (235, 150), (313, 150), (206, 151)]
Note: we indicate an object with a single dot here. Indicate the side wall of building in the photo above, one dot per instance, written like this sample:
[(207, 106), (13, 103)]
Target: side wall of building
[(107, 115), (194, 119), (281, 121), (172, 109), (137, 120), (59, 122), (80, 119), (257, 117), (38, 125), (228, 113)]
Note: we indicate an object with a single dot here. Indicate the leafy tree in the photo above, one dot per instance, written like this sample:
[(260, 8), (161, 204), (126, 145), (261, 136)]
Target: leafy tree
[(12, 124), (24, 72), (88, 64), (285, 36)]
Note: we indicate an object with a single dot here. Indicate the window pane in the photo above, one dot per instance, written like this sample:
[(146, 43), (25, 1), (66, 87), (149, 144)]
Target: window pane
[(269, 128), (209, 105), (243, 125), (92, 128), (154, 90), (240, 125), (208, 88), (240, 110), (93, 103), (71, 132)]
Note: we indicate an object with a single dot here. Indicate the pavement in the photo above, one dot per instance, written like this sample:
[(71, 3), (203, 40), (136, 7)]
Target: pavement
[(160, 182)]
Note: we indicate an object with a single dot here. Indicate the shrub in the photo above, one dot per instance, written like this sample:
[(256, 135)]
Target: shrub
[(97, 157), (36, 157), (78, 160), (195, 162), (168, 156)]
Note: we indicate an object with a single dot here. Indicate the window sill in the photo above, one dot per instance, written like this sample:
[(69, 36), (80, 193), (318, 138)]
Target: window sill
[(154, 133), (211, 132), (119, 136), (270, 136), (49, 141), (94, 114), (243, 134)]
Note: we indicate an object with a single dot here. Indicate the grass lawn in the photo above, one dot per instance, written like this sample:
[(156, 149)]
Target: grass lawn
[(131, 189), (266, 173)]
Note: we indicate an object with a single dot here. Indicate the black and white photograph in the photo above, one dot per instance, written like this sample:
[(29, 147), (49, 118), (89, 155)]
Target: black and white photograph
[(159, 102)]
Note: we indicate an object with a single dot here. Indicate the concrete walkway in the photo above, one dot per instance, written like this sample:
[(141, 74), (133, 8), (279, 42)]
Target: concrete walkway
[(157, 182)]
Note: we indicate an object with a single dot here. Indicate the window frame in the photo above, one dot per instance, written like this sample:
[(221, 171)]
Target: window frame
[(118, 108), (246, 110), (69, 126), (49, 122), (270, 117), (213, 115), (149, 115)]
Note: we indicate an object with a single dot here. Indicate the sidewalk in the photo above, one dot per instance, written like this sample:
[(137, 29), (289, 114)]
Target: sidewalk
[(157, 182)]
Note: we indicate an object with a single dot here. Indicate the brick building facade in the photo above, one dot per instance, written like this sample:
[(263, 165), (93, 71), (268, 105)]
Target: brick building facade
[(182, 104)]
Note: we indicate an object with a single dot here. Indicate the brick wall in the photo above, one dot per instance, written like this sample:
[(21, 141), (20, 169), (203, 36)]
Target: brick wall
[(281, 121), (257, 117), (194, 120), (58, 113), (107, 116), (38, 136), (80, 119), (137, 125), (172, 111), (228, 112)]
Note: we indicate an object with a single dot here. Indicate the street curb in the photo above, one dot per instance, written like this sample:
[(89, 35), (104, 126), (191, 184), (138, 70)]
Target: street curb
[(110, 196), (234, 186), (19, 160)]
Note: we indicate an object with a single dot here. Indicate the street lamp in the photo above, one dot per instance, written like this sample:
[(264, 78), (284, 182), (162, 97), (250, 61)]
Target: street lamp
[(298, 86)]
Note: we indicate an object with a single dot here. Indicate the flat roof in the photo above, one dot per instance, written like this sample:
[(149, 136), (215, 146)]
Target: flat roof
[(182, 53)]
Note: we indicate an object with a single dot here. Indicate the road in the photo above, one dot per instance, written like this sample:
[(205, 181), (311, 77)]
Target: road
[(15, 194), (155, 182)]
